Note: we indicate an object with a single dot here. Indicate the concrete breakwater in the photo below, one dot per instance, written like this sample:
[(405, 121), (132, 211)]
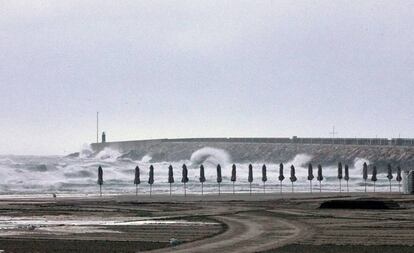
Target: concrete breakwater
[(265, 150)]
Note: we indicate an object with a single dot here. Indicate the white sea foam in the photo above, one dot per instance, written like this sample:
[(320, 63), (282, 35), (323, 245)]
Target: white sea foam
[(300, 160), (212, 156), (86, 151), (76, 176), (146, 159), (108, 154), (358, 165)]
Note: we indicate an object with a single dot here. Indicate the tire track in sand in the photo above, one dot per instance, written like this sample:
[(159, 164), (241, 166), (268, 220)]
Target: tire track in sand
[(247, 232)]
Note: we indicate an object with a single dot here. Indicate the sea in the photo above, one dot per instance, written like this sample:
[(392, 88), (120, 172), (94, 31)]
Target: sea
[(25, 176)]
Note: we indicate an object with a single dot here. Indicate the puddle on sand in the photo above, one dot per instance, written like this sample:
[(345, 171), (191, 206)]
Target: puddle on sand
[(74, 225)]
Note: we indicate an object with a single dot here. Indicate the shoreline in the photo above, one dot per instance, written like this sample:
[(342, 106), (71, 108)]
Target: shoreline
[(256, 196)]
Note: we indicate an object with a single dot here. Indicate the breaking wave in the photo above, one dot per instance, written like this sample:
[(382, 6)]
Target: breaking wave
[(300, 160), (108, 155), (146, 159), (210, 156)]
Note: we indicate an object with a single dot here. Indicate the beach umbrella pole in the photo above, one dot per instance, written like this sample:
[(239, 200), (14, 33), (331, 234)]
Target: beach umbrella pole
[(320, 186), (250, 188), (202, 188), (347, 188), (399, 187), (264, 187), (292, 187), (100, 190), (281, 185), (365, 185), (219, 188), (374, 186), (390, 185), (150, 190), (185, 190), (340, 186), (233, 187), (170, 189), (136, 190), (310, 186)]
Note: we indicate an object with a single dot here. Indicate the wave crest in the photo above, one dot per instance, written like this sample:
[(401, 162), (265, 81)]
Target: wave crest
[(300, 160), (211, 156), (108, 154)]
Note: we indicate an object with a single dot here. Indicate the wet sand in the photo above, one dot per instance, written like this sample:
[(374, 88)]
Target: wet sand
[(210, 223)]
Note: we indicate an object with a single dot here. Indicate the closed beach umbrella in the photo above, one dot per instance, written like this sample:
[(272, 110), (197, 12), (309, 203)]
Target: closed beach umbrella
[(219, 178), (365, 174), (292, 175), (202, 178), (250, 178), (151, 178), (320, 177), (281, 176), (389, 174), (340, 175), (137, 179), (170, 176), (374, 175), (100, 179), (346, 176), (233, 175), (184, 179), (310, 176), (399, 178), (264, 177)]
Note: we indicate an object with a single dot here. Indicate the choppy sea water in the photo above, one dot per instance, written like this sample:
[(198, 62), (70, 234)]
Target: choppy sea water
[(77, 176)]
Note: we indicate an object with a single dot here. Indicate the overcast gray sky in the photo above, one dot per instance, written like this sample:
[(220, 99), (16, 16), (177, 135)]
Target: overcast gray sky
[(165, 69)]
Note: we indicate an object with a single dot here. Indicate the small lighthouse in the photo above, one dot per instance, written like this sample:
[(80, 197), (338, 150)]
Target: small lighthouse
[(103, 137)]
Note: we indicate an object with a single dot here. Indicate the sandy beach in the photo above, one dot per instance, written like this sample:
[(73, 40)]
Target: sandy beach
[(211, 223)]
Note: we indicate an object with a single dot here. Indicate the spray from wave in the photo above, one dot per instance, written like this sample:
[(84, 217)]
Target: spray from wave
[(300, 160), (210, 156), (359, 164), (86, 151), (146, 159), (108, 155)]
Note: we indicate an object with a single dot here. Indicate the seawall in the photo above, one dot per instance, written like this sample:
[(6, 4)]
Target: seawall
[(270, 150)]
